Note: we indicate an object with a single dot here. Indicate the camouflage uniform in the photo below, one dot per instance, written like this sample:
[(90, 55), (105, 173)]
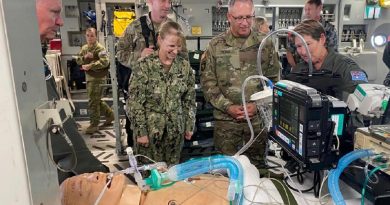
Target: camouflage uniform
[(95, 77), (226, 63), (132, 43), (331, 40), (350, 73), (161, 105), (130, 47)]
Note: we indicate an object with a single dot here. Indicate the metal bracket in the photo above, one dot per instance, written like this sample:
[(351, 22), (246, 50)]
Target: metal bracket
[(51, 109)]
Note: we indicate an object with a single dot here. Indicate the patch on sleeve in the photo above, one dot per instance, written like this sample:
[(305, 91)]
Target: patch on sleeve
[(103, 54), (359, 75)]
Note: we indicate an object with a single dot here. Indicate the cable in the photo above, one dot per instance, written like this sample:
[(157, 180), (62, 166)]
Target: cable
[(322, 185), (367, 178), (140, 155), (338, 142), (58, 129), (368, 162), (300, 192)]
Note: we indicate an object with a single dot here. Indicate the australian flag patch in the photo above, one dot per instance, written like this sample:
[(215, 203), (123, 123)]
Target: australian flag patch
[(359, 75)]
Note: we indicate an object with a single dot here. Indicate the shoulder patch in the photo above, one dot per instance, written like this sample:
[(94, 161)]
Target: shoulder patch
[(359, 75), (103, 54)]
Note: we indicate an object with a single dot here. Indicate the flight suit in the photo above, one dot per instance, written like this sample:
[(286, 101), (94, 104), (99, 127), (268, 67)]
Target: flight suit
[(95, 77), (349, 72), (331, 40), (226, 63), (161, 105)]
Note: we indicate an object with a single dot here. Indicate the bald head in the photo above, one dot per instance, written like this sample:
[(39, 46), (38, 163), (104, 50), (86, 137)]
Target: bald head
[(49, 18)]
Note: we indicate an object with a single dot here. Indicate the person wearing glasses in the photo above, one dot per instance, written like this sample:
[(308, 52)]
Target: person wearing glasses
[(228, 60)]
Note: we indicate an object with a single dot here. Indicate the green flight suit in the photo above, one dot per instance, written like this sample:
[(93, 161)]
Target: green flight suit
[(350, 73)]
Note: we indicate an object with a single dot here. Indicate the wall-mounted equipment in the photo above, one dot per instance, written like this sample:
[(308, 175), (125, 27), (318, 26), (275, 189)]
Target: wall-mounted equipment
[(289, 16), (372, 12), (351, 32), (328, 12), (220, 21), (71, 11)]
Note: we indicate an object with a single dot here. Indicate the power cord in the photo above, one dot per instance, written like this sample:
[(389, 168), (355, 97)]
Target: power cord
[(57, 129)]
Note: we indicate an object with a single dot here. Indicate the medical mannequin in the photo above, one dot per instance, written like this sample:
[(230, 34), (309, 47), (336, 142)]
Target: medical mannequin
[(85, 189)]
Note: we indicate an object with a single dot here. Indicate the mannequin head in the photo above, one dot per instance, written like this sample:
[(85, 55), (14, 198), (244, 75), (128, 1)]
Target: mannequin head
[(85, 189)]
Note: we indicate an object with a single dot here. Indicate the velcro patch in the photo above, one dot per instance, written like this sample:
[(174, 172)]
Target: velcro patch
[(103, 54), (359, 75)]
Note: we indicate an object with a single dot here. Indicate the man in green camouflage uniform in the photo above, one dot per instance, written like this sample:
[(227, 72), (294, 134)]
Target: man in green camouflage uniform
[(93, 58), (132, 46), (161, 105), (313, 10), (229, 59)]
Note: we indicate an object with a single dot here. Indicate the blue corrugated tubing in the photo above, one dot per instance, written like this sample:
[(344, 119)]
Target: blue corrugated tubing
[(334, 174), (205, 164)]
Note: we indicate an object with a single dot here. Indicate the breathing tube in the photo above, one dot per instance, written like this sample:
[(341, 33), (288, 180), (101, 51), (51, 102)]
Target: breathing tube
[(334, 174), (265, 80), (205, 164)]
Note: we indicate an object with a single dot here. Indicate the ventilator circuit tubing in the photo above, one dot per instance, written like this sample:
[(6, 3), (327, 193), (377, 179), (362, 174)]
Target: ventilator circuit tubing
[(264, 79), (334, 174), (205, 164), (249, 143), (263, 42)]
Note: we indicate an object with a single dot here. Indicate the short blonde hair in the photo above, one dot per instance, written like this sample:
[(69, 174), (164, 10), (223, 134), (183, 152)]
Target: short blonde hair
[(258, 21)]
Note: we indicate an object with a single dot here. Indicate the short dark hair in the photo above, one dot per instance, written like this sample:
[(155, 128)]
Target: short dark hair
[(311, 28), (316, 2)]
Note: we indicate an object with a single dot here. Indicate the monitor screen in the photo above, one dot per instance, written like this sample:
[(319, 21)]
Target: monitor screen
[(289, 116)]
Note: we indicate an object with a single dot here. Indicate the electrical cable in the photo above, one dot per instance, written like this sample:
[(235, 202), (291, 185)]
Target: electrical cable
[(57, 129), (322, 185), (368, 162), (300, 192), (258, 187), (366, 180)]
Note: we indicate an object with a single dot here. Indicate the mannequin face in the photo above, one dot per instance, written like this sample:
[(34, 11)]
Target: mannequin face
[(85, 189)]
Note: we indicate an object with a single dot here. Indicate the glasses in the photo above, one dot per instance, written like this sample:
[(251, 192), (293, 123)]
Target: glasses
[(242, 18)]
